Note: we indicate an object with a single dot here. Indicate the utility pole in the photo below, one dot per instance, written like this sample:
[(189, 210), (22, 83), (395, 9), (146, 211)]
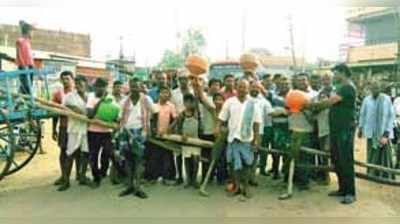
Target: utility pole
[(292, 42), (121, 57)]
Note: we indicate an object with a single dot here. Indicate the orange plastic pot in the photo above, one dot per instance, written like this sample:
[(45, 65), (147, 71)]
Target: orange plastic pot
[(196, 64), (296, 100)]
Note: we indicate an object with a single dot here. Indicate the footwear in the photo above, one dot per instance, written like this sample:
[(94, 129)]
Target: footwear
[(336, 194), (196, 185), (253, 183), (276, 176), (178, 182), (59, 181), (168, 182), (96, 184), (63, 187), (141, 194), (84, 181), (247, 194), (348, 199), (242, 198), (285, 196), (235, 193), (126, 192), (262, 172)]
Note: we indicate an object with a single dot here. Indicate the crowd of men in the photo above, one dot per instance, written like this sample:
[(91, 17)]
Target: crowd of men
[(242, 115), (252, 111)]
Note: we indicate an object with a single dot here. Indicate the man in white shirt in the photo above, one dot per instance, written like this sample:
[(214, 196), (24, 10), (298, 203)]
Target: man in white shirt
[(207, 127), (135, 124), (77, 144), (244, 119), (265, 109)]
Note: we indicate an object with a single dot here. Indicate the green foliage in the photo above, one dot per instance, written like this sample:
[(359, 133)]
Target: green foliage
[(171, 60), (193, 43)]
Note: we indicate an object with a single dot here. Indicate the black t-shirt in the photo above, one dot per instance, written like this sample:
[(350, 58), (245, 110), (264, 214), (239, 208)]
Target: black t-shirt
[(342, 114)]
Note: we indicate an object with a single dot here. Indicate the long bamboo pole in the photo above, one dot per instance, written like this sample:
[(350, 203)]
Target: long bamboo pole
[(78, 116), (63, 110), (209, 144)]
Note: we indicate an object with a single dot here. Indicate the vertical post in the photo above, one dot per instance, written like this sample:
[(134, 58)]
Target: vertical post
[(292, 42)]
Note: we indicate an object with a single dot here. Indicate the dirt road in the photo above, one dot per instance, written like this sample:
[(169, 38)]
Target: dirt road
[(30, 193)]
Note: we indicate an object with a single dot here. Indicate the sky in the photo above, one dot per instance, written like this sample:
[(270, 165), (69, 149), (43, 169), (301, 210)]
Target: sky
[(149, 27)]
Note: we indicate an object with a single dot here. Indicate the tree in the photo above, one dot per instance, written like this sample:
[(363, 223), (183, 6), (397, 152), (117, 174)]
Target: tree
[(193, 42), (171, 60)]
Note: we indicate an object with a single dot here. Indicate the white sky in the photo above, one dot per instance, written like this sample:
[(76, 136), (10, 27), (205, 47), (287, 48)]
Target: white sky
[(149, 26)]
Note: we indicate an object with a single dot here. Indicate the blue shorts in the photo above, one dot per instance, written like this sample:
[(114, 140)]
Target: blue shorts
[(239, 154)]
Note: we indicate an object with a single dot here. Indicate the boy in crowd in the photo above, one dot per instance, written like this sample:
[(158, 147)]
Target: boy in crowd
[(188, 125), (161, 161)]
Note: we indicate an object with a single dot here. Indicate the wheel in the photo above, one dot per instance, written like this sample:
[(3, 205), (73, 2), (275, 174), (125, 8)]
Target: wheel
[(27, 139), (6, 145)]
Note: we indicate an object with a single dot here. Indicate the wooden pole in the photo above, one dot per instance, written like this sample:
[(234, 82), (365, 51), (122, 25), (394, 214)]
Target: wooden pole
[(77, 116), (189, 141), (209, 144), (63, 110)]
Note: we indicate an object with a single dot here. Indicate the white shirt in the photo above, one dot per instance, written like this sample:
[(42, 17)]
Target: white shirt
[(74, 125), (396, 105), (135, 118), (265, 109), (177, 99), (312, 93), (232, 112)]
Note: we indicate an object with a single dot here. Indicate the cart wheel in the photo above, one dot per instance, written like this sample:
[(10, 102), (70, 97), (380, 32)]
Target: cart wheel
[(6, 145), (27, 137)]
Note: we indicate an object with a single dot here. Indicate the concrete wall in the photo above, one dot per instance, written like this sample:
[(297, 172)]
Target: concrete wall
[(49, 40)]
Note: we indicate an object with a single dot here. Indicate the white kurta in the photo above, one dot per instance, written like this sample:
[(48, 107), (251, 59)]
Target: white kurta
[(77, 130)]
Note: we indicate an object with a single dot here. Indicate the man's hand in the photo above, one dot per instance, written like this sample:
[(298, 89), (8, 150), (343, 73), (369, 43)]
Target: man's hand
[(360, 134), (184, 138), (55, 136), (217, 131), (255, 143), (384, 141)]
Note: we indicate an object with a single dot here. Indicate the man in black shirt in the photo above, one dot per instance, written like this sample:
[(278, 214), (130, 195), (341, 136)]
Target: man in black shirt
[(342, 126)]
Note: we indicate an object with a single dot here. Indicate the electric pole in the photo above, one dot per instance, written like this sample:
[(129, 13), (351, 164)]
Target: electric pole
[(292, 42), (121, 57)]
